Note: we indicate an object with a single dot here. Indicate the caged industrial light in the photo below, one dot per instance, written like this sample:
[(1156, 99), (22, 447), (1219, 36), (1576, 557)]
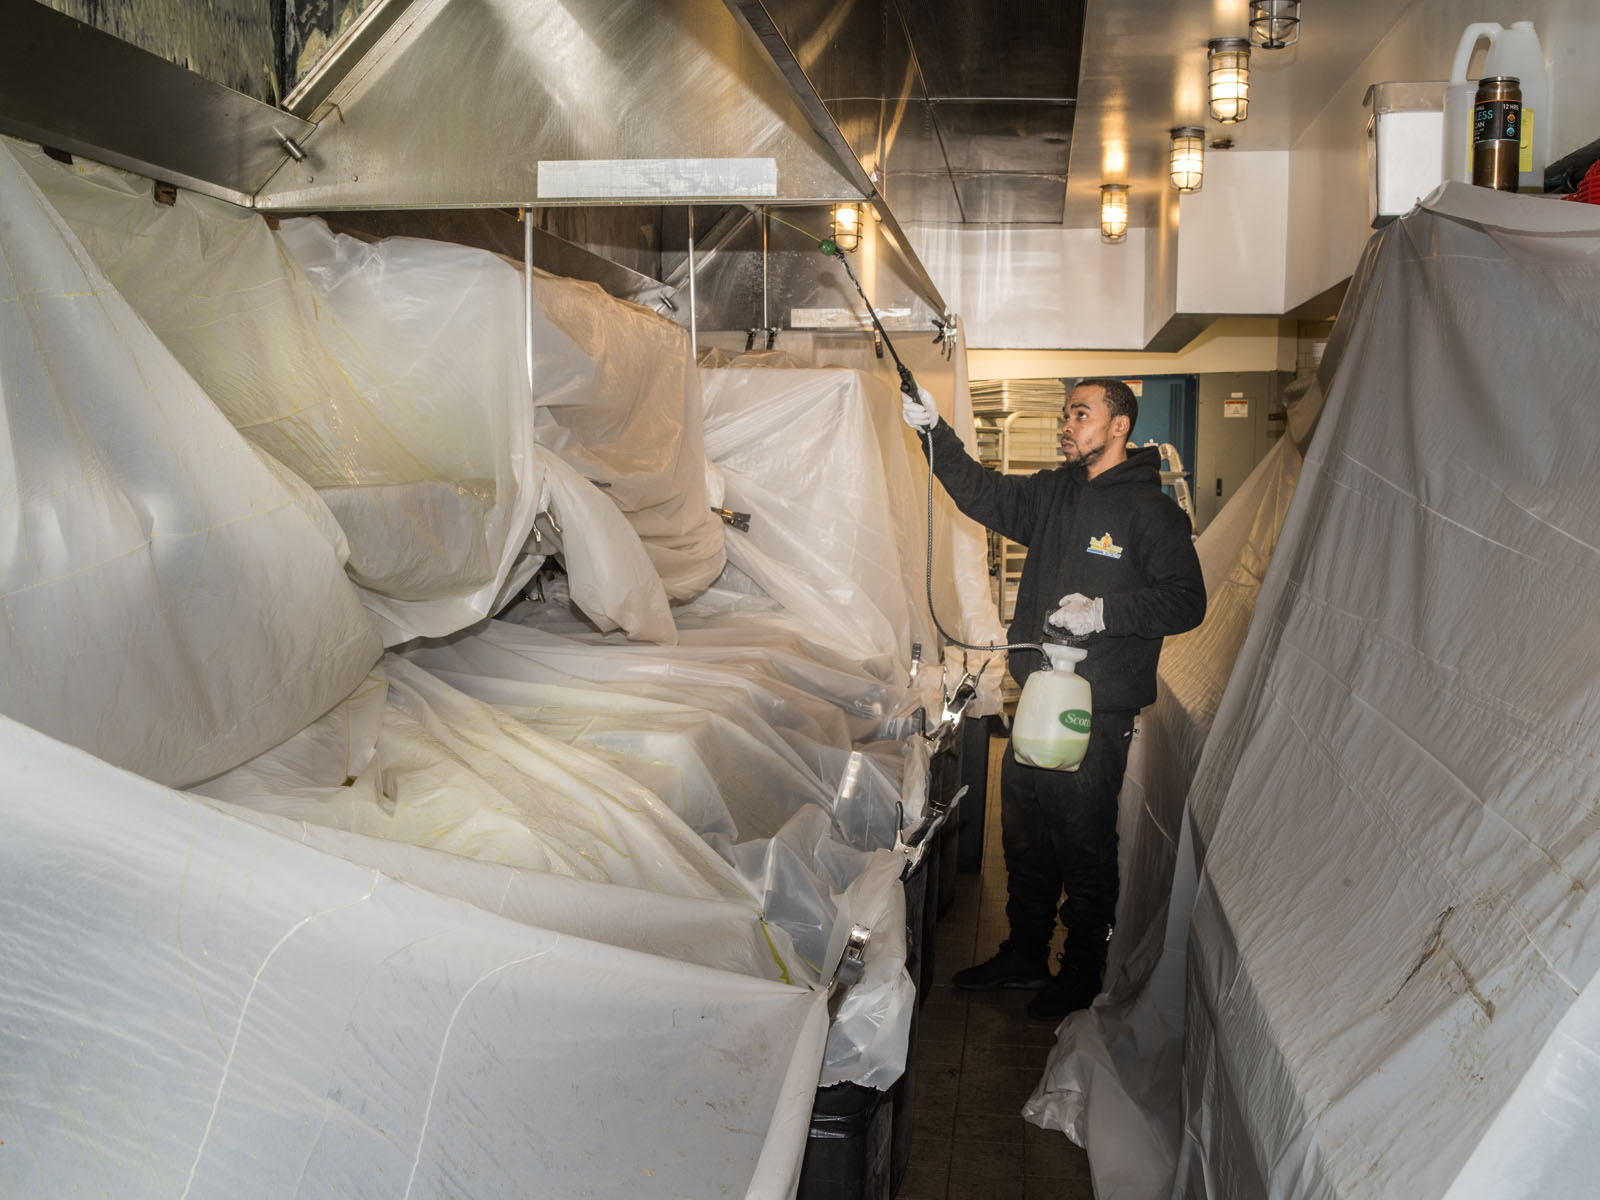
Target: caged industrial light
[(1188, 161), (1113, 212), (847, 227), (1230, 78), (1274, 24)]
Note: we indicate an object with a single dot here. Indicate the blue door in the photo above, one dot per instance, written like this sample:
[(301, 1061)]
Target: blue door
[(1167, 409)]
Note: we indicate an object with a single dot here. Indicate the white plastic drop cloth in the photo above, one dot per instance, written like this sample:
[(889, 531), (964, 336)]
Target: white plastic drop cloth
[(390, 377), (807, 751), (413, 760), (171, 602), (1392, 982), (618, 397), (837, 490), (410, 759), (815, 457), (197, 1004)]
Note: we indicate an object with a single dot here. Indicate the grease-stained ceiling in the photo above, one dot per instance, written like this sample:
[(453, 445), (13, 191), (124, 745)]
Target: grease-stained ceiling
[(961, 110)]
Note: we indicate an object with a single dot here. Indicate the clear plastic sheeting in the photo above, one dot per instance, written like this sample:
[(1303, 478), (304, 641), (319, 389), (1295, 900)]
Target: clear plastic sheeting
[(449, 772), (393, 379), (801, 744), (448, 925), (1113, 1078), (609, 575), (618, 396), (411, 759), (816, 459), (172, 604), (795, 450), (746, 737), (196, 1003), (1393, 955)]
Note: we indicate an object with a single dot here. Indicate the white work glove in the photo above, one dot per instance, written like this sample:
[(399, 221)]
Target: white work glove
[(919, 410), (1079, 615)]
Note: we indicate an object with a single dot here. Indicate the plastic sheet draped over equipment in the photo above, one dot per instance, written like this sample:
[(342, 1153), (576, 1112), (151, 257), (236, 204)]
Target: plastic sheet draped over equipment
[(618, 396), (807, 748), (744, 734), (811, 456), (172, 604), (390, 377), (410, 1005), (175, 1026), (436, 768), (1394, 953), (410, 759), (830, 475)]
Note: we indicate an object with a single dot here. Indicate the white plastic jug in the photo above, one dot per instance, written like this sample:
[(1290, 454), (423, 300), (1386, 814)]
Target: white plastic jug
[(1051, 728), (1514, 51)]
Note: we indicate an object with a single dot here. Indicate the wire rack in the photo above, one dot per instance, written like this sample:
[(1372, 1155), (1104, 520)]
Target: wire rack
[(1018, 427)]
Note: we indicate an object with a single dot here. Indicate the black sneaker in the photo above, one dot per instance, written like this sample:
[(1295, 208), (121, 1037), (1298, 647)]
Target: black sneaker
[(1007, 969), (1066, 993)]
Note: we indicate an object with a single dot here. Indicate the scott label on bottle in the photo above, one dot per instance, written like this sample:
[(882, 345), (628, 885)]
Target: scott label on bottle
[(1076, 720), (1497, 121)]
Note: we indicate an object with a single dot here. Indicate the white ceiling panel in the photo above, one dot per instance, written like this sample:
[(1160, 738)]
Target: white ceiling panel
[(1144, 71)]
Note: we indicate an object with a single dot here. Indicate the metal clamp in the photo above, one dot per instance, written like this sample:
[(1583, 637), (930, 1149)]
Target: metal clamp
[(739, 520), (852, 965), (915, 846)]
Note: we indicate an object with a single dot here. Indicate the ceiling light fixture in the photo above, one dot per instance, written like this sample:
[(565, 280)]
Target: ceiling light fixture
[(1274, 24), (1230, 78), (847, 227), (1113, 212), (1188, 159)]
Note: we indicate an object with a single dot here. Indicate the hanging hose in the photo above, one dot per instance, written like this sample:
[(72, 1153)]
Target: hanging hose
[(927, 580)]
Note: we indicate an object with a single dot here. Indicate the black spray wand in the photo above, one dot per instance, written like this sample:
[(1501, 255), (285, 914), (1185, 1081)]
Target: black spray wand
[(908, 385)]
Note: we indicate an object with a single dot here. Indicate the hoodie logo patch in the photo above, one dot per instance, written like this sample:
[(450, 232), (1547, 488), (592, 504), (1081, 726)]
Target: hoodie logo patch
[(1105, 547)]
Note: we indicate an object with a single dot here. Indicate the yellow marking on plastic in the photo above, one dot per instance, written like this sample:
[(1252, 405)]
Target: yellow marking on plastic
[(773, 950)]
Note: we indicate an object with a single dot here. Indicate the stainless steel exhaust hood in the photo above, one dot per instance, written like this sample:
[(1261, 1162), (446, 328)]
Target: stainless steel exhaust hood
[(440, 104), (533, 102)]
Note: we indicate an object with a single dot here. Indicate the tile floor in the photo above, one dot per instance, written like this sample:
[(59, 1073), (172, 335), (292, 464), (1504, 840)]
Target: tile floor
[(978, 1058)]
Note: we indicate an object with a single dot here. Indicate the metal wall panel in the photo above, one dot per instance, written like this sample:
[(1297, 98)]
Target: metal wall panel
[(799, 277)]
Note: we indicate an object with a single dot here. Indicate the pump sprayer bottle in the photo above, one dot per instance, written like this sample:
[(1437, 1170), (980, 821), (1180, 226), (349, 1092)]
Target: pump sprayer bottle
[(1051, 728)]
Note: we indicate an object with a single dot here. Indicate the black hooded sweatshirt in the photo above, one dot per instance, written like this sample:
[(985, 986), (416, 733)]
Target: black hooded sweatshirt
[(1117, 536)]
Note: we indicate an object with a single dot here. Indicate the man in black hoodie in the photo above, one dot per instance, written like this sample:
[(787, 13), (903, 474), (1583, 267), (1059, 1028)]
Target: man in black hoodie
[(1110, 559)]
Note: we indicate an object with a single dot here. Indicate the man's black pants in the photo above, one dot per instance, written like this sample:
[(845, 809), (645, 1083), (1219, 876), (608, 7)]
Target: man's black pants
[(1059, 830)]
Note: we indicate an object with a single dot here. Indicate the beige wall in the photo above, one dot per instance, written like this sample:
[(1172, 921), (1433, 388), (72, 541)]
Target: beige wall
[(1233, 235), (1039, 285), (1230, 344)]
